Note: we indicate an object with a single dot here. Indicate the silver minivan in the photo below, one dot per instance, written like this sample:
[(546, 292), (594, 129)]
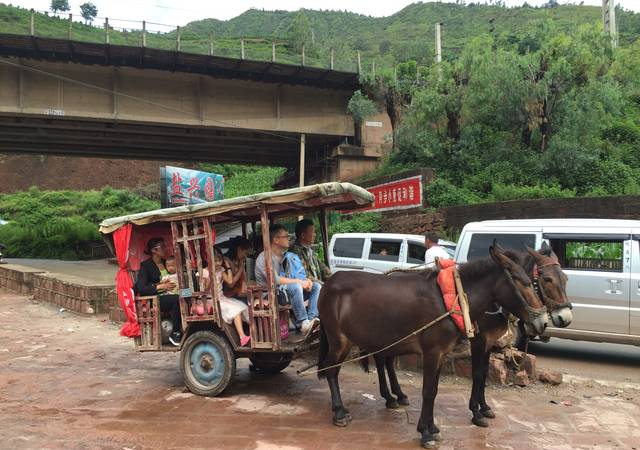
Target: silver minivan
[(379, 252), (601, 257)]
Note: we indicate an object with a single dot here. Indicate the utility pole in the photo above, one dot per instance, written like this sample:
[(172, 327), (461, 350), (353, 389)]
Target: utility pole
[(609, 20), (439, 43)]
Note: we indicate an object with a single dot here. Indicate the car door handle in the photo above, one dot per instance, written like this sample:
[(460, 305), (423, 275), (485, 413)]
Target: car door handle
[(613, 287)]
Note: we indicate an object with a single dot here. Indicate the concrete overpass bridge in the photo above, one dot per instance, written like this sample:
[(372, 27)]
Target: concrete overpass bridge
[(88, 99)]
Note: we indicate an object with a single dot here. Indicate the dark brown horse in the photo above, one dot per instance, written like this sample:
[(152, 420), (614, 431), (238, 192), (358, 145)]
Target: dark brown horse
[(550, 283), (373, 311)]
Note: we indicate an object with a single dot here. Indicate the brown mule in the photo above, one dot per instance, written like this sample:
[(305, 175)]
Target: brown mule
[(550, 283), (373, 311)]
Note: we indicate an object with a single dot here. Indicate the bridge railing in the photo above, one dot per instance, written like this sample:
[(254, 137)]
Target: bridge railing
[(174, 38)]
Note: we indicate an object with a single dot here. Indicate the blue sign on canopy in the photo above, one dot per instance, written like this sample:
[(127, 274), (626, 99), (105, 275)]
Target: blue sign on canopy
[(180, 187)]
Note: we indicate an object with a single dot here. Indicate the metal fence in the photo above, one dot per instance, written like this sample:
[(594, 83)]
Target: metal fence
[(174, 38)]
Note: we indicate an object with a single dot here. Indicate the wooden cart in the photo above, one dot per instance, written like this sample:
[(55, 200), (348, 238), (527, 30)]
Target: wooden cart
[(209, 346)]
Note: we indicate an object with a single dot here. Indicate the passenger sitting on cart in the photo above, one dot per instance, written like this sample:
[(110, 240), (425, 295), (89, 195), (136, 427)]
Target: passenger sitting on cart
[(236, 257), (298, 289), (232, 310), (314, 267), (148, 283)]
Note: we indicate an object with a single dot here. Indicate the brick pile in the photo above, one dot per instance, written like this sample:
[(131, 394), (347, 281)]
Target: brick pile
[(506, 366)]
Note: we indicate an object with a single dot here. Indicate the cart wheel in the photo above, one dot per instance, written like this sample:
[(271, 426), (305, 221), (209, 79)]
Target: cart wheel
[(270, 362), (207, 363)]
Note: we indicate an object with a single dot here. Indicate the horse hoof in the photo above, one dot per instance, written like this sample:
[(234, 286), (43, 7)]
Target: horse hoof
[(489, 414), (430, 440), (480, 422), (404, 401), (428, 444), (392, 404), (342, 422)]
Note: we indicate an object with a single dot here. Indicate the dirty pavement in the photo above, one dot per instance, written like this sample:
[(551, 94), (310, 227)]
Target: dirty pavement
[(71, 382)]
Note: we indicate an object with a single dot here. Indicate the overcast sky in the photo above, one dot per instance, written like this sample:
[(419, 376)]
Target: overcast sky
[(180, 12)]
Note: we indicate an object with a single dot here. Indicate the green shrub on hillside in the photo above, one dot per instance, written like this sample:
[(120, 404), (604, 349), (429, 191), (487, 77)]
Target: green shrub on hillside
[(61, 224), (245, 180), (365, 222), (501, 192), (442, 193)]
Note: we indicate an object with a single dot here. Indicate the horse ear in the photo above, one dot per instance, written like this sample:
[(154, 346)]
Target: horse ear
[(545, 249), (497, 253)]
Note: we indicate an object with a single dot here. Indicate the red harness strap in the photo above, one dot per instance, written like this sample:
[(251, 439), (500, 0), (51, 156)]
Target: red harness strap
[(448, 289)]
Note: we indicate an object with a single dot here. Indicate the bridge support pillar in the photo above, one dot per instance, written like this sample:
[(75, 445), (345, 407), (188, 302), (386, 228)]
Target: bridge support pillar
[(353, 162)]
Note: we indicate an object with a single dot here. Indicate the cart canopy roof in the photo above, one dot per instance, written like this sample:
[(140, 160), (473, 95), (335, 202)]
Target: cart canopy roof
[(343, 196)]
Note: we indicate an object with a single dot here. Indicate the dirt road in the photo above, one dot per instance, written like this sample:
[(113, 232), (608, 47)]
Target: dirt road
[(70, 382)]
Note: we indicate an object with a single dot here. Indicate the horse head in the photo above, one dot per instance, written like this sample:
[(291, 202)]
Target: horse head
[(551, 284), (525, 304)]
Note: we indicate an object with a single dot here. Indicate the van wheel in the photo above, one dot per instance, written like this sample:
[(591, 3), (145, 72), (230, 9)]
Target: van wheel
[(207, 363), (269, 362)]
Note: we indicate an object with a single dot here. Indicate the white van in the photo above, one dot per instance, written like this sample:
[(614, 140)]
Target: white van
[(601, 257), (379, 252)]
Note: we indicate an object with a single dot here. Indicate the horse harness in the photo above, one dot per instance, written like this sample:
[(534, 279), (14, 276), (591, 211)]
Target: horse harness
[(539, 288)]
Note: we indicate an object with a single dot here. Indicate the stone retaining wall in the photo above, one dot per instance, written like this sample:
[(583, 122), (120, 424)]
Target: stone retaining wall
[(116, 314), (17, 278), (412, 223), (615, 207), (75, 297)]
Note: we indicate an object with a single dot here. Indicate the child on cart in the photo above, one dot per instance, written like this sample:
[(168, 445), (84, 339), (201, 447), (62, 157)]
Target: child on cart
[(232, 310)]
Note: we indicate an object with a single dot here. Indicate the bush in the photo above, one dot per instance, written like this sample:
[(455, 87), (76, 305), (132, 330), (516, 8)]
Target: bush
[(245, 180), (365, 222), (442, 193), (501, 192), (61, 238), (61, 224)]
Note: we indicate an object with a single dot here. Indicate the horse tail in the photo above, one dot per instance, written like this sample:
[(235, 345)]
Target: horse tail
[(364, 362), (323, 351)]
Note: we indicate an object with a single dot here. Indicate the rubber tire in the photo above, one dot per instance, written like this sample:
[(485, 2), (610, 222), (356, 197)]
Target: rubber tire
[(224, 354), (270, 362)]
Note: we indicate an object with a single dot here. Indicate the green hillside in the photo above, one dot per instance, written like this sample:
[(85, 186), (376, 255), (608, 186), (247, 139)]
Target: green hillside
[(409, 33), (405, 35)]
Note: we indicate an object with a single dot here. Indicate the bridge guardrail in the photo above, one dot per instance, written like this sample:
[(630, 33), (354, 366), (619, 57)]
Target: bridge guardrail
[(171, 37)]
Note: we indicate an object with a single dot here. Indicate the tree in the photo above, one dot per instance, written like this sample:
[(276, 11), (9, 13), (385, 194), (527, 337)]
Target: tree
[(384, 47), (88, 11), (59, 5), (360, 107), (299, 32)]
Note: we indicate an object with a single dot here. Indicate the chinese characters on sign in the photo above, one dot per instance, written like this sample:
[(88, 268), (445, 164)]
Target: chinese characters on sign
[(188, 187), (400, 194)]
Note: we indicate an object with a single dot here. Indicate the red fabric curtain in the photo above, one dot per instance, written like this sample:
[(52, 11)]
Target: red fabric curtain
[(124, 285)]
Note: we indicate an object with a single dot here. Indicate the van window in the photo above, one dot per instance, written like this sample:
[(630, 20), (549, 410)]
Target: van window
[(348, 247), (385, 250), (416, 253), (583, 254), (480, 243)]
